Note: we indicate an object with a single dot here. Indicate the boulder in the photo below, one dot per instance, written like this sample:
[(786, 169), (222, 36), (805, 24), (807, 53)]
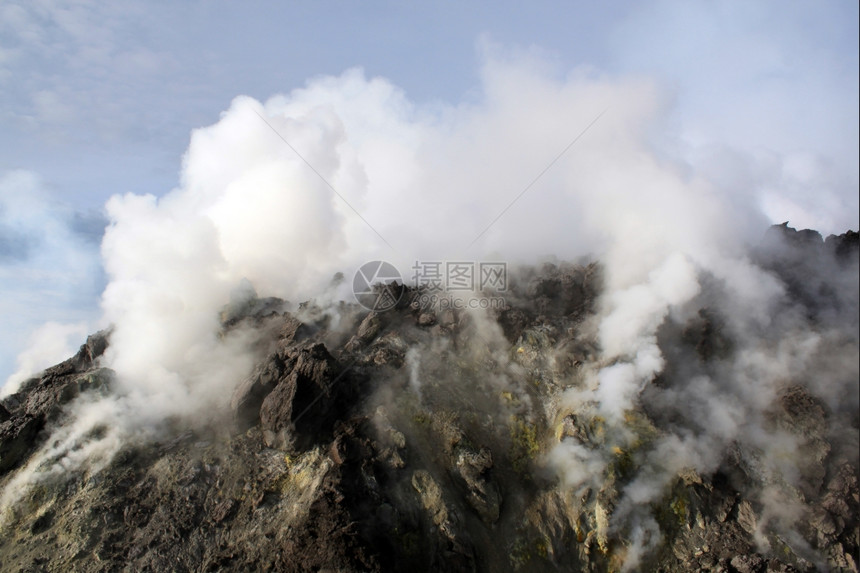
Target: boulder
[(426, 319), (748, 563), (431, 499), (92, 349), (249, 395), (302, 408), (369, 327), (292, 330), (472, 467)]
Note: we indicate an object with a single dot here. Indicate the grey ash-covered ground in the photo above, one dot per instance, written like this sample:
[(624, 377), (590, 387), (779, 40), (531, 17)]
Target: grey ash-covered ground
[(428, 440)]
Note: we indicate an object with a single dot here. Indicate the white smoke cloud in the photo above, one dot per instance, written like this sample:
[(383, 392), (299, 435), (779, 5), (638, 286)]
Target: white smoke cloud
[(47, 345), (249, 208)]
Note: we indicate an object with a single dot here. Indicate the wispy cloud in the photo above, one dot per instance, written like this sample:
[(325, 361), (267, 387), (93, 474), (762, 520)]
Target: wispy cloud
[(49, 267)]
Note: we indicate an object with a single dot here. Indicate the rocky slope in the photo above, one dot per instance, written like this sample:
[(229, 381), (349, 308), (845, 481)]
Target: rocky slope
[(430, 439)]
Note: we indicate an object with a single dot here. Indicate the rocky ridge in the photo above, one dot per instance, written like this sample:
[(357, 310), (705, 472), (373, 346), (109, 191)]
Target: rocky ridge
[(417, 440)]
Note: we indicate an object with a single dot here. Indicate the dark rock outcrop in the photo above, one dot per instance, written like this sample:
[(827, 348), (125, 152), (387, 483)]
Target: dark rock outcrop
[(821, 276), (306, 402), (249, 395), (40, 401)]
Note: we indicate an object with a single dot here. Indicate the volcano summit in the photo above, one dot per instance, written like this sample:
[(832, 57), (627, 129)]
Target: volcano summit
[(422, 438)]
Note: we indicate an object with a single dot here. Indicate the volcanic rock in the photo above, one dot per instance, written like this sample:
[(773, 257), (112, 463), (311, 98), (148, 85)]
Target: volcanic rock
[(415, 439)]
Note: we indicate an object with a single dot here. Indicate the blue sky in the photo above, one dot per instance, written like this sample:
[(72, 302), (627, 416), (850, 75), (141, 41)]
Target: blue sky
[(100, 98)]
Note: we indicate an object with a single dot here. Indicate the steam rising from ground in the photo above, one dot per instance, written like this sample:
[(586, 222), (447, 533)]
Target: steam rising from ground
[(51, 343), (429, 180)]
